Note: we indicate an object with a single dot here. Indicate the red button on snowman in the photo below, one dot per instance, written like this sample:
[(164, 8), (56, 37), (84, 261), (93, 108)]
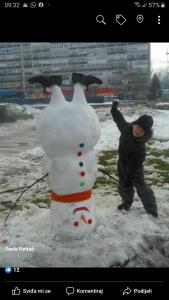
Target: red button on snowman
[(68, 131)]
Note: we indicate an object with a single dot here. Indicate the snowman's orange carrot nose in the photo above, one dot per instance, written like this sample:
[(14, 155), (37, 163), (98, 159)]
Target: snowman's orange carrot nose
[(84, 219)]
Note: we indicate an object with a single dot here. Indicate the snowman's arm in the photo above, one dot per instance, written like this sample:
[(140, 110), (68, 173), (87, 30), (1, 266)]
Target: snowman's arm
[(118, 118)]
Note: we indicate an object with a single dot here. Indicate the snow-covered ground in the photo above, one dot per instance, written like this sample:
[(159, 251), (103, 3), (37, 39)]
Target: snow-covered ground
[(130, 239)]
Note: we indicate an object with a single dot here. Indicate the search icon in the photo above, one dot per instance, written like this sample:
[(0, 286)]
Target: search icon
[(100, 19)]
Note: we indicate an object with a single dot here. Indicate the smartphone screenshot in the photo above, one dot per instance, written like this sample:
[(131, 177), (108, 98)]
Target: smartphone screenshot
[(84, 159)]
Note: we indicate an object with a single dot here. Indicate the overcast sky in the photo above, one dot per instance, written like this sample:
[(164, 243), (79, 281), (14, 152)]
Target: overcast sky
[(159, 56)]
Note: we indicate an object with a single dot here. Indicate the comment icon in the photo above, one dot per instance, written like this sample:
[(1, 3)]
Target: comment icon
[(70, 290)]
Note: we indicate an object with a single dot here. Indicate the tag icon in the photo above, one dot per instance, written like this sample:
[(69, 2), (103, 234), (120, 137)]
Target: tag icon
[(120, 19), (140, 18)]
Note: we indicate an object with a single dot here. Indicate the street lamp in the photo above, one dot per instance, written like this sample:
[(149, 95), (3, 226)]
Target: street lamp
[(125, 83)]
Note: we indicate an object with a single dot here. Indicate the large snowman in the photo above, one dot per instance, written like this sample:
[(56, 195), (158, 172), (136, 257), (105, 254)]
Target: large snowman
[(68, 131)]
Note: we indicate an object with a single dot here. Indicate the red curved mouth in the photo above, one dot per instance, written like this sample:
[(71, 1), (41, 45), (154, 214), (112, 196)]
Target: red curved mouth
[(79, 209), (82, 217)]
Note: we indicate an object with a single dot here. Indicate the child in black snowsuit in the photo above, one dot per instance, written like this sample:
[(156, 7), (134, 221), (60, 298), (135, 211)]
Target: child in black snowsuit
[(131, 157)]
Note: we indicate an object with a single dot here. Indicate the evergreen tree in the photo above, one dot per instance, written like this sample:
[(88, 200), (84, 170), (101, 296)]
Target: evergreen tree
[(155, 88)]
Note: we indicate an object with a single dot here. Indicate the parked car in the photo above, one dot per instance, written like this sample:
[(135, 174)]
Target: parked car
[(12, 112)]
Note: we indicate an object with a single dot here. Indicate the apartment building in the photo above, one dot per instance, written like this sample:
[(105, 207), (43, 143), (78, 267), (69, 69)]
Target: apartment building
[(123, 66)]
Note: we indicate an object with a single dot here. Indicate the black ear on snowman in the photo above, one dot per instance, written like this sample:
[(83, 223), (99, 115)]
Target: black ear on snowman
[(43, 80), (92, 80), (78, 78), (85, 79), (56, 80), (47, 81)]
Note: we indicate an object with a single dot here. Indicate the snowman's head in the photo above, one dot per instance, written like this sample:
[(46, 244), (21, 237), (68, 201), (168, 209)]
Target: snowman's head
[(65, 128)]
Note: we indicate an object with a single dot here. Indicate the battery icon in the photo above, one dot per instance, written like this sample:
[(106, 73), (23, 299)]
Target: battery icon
[(162, 4)]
